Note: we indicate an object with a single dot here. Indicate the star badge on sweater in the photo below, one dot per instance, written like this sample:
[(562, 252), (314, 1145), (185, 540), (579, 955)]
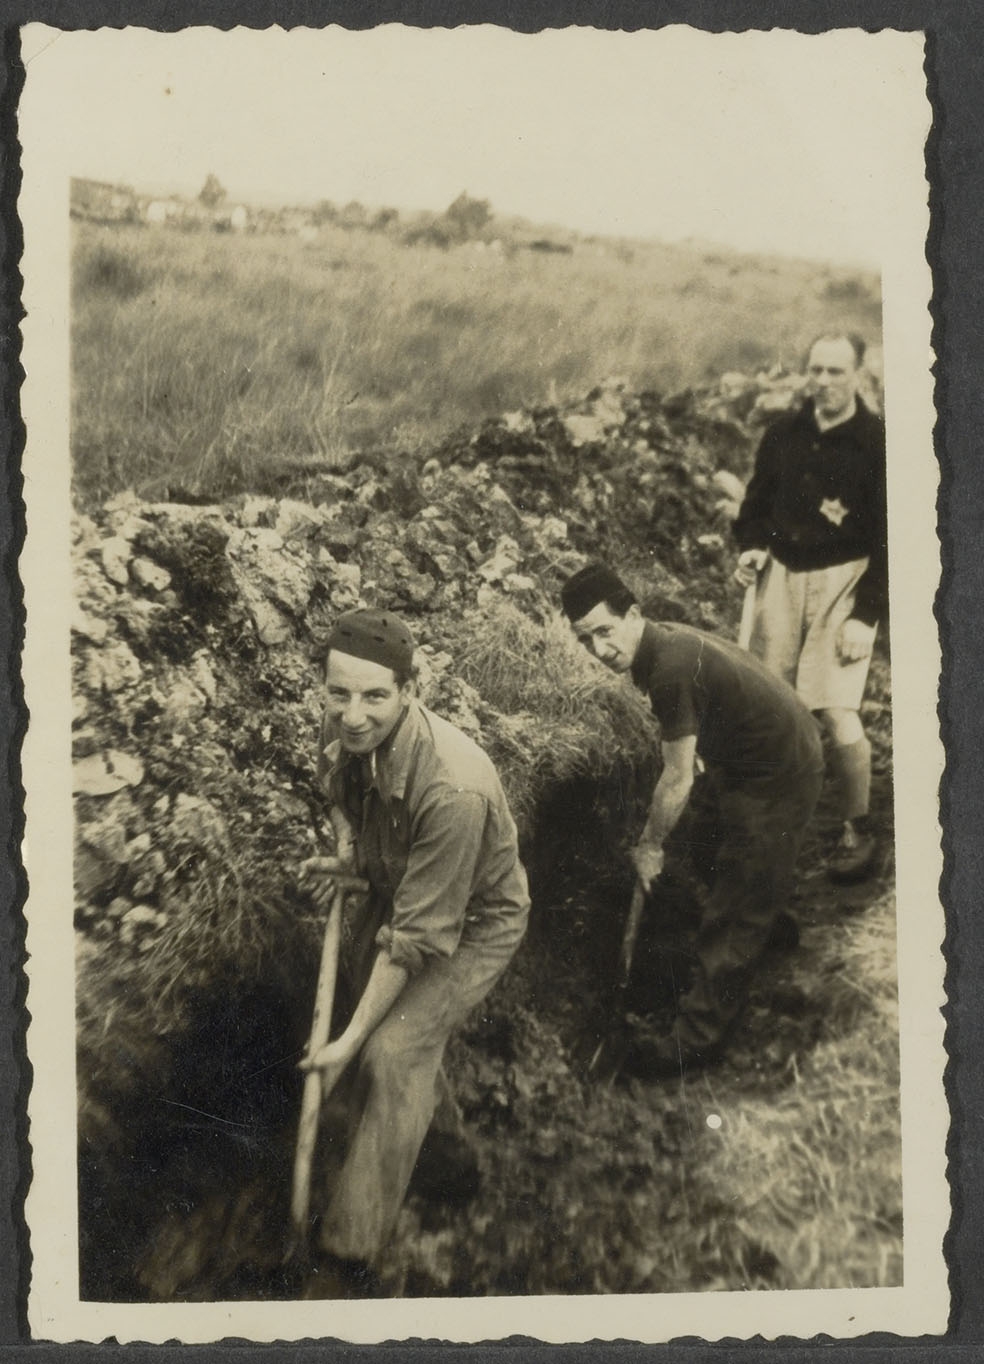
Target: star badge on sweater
[(834, 510)]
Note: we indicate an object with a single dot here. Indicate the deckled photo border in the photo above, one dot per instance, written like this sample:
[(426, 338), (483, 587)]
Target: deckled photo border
[(900, 771)]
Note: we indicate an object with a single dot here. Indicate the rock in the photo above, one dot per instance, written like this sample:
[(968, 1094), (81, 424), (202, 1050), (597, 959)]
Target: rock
[(102, 774), (554, 530), (148, 574), (341, 539), (145, 873), (137, 846), (506, 559), (518, 582), (137, 615), (260, 560), (111, 669), (418, 588), (272, 626), (85, 534), (85, 742), (347, 586), (118, 906), (115, 554), (501, 506), (139, 920), (124, 515), (94, 875), (257, 511), (297, 520), (729, 484), (204, 677), (89, 627), (195, 820), (519, 422)]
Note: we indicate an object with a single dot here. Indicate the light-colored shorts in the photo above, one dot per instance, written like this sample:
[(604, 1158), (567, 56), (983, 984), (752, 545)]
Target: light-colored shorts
[(797, 620)]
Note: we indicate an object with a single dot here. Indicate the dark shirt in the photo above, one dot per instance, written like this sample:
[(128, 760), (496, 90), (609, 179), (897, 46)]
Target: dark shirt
[(749, 724), (817, 499), (434, 836)]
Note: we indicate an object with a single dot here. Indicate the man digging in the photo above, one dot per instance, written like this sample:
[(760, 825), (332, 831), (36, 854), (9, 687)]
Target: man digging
[(432, 834), (762, 755), (812, 532)]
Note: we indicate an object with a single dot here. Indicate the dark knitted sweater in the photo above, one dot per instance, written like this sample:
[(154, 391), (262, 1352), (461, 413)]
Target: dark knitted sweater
[(817, 499)]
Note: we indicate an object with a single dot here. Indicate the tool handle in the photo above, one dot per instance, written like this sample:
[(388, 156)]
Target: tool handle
[(632, 923), (747, 616), (307, 1132)]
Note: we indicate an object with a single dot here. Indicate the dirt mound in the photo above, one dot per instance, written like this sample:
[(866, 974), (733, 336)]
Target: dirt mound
[(196, 637)]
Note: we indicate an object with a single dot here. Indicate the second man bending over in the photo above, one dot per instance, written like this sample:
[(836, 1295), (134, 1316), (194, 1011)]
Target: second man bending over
[(762, 753)]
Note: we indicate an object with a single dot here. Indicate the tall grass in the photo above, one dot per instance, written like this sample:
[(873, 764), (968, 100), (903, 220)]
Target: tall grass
[(210, 362)]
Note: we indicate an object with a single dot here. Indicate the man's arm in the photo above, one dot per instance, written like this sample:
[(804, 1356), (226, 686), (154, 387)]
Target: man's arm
[(669, 801), (752, 527), (857, 634), (385, 984)]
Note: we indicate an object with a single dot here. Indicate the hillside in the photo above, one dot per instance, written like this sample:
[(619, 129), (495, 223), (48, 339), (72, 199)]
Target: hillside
[(196, 634)]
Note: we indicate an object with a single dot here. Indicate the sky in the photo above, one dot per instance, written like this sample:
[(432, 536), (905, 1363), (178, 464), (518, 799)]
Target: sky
[(772, 142)]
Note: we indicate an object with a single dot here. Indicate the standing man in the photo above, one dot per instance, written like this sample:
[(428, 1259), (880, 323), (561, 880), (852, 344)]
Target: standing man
[(431, 831), (762, 755), (812, 531)]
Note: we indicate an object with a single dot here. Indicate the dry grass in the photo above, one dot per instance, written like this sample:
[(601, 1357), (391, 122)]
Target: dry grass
[(208, 361), (566, 717), (813, 1171)]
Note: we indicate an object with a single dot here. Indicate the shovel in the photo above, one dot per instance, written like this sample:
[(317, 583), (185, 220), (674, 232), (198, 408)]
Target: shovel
[(747, 616), (610, 1051), (314, 1090)]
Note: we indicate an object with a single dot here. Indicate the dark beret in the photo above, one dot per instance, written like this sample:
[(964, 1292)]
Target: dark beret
[(378, 636)]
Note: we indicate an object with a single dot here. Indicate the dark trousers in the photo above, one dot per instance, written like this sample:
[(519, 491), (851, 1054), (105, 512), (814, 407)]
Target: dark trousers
[(748, 857)]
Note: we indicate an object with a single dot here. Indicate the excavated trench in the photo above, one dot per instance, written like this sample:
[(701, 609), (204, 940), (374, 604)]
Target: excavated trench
[(184, 1185), (189, 1199)]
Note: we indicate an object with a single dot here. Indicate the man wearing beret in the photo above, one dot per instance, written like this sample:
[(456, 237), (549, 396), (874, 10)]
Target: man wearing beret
[(431, 832), (761, 752), (813, 536)]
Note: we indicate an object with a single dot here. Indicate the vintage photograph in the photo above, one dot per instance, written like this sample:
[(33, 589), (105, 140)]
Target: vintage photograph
[(479, 584)]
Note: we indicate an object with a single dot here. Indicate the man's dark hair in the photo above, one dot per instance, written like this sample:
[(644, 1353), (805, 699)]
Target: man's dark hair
[(856, 342), (592, 585)]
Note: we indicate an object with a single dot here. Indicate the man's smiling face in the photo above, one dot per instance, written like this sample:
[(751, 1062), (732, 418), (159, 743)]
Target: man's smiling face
[(364, 699)]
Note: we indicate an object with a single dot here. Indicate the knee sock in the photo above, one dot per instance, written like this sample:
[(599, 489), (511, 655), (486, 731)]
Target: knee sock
[(852, 767)]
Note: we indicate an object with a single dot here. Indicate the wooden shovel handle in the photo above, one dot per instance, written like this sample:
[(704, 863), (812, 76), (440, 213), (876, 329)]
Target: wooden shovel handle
[(636, 906), (747, 616), (324, 999)]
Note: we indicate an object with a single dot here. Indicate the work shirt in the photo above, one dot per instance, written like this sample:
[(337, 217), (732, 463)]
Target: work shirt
[(817, 499), (434, 837), (750, 726)]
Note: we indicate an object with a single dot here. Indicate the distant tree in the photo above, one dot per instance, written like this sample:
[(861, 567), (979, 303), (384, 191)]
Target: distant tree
[(353, 215), (326, 212), (467, 217), (212, 192), (384, 218)]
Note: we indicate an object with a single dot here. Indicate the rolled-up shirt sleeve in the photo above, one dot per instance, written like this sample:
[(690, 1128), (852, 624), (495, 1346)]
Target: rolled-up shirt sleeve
[(430, 902)]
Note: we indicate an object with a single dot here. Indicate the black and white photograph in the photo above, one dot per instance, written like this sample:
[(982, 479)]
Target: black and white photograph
[(481, 786)]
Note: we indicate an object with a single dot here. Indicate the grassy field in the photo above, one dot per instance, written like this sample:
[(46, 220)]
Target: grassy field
[(204, 362)]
